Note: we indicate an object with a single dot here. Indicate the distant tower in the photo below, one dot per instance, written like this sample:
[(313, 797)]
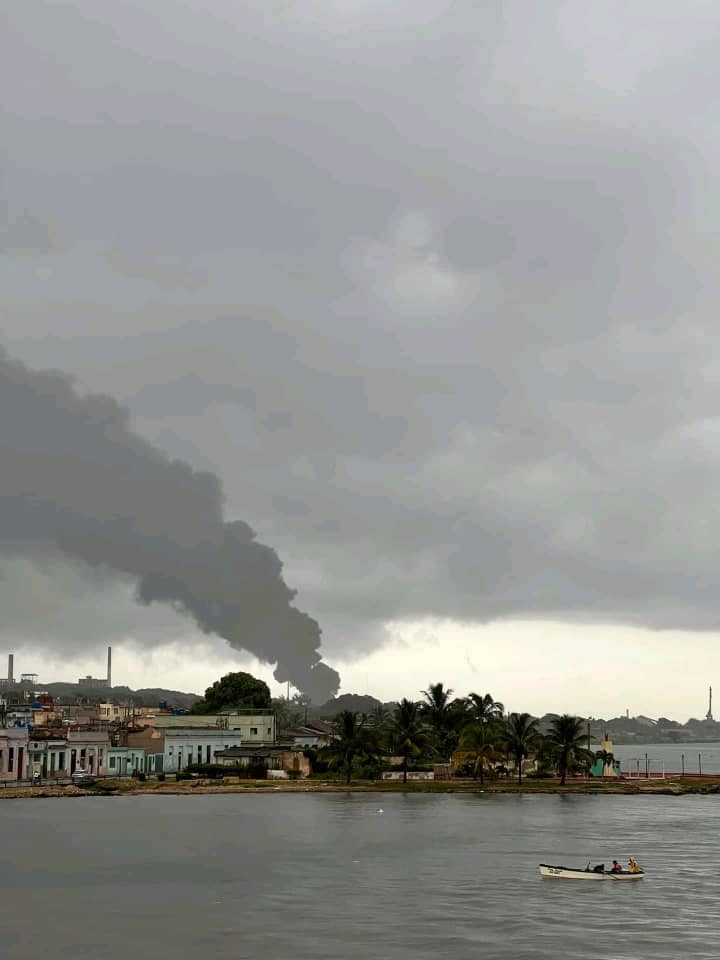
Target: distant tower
[(708, 715), (109, 668), (11, 660)]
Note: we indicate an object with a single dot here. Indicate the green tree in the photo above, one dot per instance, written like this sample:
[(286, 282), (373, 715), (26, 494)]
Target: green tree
[(484, 709), (353, 740), (444, 716), (409, 732), (520, 735), (477, 739), (380, 721), (606, 757), (480, 731), (287, 715), (234, 690), (567, 738)]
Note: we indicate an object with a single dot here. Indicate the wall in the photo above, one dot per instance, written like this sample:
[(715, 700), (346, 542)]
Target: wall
[(412, 775), (253, 728)]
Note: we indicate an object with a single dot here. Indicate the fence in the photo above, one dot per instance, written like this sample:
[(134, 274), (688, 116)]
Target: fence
[(647, 767)]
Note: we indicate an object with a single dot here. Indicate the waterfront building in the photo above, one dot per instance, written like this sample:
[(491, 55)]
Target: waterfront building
[(13, 754), (173, 749), (253, 726)]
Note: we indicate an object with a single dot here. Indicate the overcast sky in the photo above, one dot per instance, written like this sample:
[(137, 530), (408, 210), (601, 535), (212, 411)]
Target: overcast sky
[(431, 286)]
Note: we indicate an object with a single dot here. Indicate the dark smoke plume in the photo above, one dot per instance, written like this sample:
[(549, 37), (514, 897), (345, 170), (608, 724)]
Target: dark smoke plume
[(74, 478)]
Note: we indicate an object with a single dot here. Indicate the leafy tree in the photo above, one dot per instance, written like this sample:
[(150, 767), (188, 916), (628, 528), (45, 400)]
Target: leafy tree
[(287, 715), (567, 738), (409, 732), (380, 721), (444, 716), (607, 758), (480, 735), (520, 735), (353, 740), (477, 740), (484, 709), (234, 690)]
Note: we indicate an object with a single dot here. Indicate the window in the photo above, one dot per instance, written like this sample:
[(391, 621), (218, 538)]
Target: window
[(253, 731), (199, 753), (61, 761), (112, 763), (2, 761), (269, 731), (11, 760), (208, 753)]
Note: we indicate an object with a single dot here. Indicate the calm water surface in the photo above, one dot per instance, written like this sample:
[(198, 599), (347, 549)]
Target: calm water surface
[(310, 877)]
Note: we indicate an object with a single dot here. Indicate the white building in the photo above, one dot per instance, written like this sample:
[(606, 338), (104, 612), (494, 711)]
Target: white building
[(124, 761)]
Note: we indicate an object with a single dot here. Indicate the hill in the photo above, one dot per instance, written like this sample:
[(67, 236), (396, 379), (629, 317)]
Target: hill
[(148, 696)]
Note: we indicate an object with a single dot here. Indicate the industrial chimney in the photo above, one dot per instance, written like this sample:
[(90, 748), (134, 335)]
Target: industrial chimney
[(109, 668), (11, 659)]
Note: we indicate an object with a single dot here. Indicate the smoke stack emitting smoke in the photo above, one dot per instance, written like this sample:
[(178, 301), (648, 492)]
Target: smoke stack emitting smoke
[(75, 479)]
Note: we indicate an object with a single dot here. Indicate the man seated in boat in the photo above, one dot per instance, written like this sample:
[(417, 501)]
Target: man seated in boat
[(616, 867), (633, 864)]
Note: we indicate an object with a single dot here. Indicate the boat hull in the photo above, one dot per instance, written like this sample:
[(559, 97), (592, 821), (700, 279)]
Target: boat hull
[(568, 873)]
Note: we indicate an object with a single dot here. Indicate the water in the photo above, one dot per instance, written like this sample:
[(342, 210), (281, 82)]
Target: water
[(632, 757), (328, 877)]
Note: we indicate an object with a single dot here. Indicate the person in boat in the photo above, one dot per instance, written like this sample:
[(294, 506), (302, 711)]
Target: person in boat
[(599, 868), (616, 867), (633, 865)]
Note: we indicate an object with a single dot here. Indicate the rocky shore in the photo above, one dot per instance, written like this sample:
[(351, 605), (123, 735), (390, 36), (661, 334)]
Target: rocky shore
[(113, 788)]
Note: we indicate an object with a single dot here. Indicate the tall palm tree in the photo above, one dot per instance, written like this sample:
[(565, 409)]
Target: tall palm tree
[(409, 732), (483, 708), (567, 738), (437, 708), (351, 740), (521, 735)]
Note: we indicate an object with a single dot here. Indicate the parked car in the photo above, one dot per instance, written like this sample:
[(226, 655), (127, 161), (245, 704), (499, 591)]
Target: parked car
[(82, 779)]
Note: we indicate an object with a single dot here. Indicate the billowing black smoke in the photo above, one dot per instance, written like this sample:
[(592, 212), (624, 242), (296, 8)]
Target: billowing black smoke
[(74, 478)]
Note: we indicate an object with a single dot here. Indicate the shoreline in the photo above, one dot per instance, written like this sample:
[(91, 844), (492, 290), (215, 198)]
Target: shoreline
[(676, 786)]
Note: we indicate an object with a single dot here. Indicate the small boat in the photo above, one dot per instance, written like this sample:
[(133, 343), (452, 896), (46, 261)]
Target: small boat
[(588, 873)]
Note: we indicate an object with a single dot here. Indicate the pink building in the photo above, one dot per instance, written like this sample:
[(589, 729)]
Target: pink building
[(13, 754)]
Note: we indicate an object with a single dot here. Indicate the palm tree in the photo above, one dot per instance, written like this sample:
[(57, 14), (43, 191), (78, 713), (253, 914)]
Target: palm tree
[(520, 734), (409, 732), (484, 709), (435, 706), (480, 735), (350, 741), (567, 739), (607, 758), (475, 740)]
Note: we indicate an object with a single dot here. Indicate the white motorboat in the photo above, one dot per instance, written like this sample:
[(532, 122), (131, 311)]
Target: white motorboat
[(588, 873)]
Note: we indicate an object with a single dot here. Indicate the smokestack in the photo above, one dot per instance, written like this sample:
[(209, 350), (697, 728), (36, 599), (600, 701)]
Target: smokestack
[(109, 669), (11, 660)]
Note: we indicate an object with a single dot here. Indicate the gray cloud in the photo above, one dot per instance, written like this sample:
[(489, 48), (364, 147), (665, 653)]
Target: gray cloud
[(450, 287)]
